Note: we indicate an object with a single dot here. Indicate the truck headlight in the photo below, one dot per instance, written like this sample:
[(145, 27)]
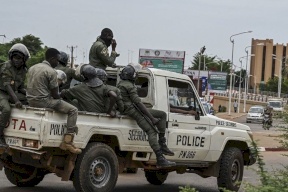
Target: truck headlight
[(30, 143)]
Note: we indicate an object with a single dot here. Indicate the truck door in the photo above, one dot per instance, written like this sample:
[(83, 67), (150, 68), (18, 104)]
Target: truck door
[(188, 137)]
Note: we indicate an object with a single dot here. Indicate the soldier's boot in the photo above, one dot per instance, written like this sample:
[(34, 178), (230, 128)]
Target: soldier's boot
[(165, 150), (3, 143), (67, 144), (162, 161)]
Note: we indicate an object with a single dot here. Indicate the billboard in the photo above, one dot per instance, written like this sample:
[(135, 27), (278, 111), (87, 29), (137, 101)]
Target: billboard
[(194, 73), (217, 81), (162, 59)]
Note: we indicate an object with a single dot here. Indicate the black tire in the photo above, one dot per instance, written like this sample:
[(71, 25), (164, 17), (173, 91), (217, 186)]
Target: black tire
[(96, 157), (156, 177), (231, 169), (265, 126), (20, 179), (132, 170)]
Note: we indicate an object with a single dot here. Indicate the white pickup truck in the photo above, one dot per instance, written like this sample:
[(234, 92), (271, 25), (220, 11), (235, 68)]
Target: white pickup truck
[(207, 146)]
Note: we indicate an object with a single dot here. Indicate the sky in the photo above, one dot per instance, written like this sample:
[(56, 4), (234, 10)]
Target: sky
[(182, 25)]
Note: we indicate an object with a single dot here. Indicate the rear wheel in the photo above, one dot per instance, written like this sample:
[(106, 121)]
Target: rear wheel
[(24, 179), (96, 169), (156, 177), (231, 169)]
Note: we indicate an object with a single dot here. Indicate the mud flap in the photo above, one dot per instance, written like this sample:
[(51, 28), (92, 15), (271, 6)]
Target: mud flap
[(69, 167)]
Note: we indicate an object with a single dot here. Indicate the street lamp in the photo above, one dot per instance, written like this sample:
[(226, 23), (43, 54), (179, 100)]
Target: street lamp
[(202, 50), (247, 77), (3, 36), (231, 71), (280, 74), (244, 102)]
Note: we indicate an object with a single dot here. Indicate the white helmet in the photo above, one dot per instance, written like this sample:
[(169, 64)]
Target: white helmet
[(20, 48), (61, 76)]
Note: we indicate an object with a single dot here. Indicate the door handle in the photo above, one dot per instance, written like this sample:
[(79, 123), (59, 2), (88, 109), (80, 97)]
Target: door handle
[(175, 124)]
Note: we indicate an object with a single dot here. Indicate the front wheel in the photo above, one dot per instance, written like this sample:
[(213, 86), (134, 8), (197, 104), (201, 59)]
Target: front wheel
[(96, 169), (231, 169), (265, 125), (156, 177)]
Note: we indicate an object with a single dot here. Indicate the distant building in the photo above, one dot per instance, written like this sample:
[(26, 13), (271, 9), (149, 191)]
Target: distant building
[(262, 65)]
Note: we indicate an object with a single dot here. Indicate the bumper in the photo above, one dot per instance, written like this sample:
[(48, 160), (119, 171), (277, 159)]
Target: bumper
[(255, 119)]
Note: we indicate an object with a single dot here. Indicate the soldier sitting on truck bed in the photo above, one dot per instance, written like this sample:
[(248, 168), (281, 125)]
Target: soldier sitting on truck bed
[(102, 75), (144, 117), (43, 92), (70, 73), (12, 90), (91, 93)]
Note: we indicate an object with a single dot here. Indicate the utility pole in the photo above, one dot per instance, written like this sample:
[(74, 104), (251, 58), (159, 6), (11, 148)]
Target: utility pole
[(72, 57)]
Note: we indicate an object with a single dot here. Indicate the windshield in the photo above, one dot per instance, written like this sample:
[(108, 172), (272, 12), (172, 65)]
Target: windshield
[(256, 110), (276, 104), (206, 107)]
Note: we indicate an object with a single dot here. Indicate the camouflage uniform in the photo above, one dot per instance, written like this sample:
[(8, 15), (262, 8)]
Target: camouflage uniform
[(41, 79), (14, 77), (91, 99), (119, 102), (129, 95), (70, 73), (99, 55)]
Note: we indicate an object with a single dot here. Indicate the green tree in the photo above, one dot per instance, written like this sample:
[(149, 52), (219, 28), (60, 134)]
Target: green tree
[(272, 84), (33, 44), (238, 79), (212, 63)]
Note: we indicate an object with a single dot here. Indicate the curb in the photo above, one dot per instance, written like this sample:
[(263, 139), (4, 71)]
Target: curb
[(261, 149)]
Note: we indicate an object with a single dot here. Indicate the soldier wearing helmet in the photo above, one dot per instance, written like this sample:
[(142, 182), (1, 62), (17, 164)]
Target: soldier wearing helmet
[(91, 93), (143, 116), (268, 111), (102, 75), (61, 77), (70, 73), (43, 92), (99, 54), (12, 79)]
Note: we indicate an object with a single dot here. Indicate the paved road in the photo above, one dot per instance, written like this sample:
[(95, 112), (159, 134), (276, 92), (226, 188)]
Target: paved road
[(137, 182)]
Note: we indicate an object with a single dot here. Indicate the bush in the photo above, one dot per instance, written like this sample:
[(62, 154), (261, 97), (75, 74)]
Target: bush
[(223, 109), (187, 189)]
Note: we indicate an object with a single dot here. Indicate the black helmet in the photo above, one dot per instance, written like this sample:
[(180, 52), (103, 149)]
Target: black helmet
[(19, 48), (90, 75), (101, 74), (130, 72), (63, 58)]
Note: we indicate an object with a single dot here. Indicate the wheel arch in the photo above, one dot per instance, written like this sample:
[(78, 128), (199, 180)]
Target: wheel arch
[(243, 146), (110, 140)]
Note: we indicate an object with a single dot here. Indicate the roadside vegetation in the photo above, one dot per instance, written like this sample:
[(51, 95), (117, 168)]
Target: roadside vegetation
[(273, 181)]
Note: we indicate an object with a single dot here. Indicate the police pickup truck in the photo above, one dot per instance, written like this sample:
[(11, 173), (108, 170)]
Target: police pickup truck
[(205, 145)]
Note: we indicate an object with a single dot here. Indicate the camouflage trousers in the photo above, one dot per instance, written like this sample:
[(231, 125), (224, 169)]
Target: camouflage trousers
[(5, 108), (146, 126), (60, 106)]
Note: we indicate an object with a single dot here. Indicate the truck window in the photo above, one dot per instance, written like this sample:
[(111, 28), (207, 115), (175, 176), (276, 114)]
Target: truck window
[(182, 96), (142, 84)]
